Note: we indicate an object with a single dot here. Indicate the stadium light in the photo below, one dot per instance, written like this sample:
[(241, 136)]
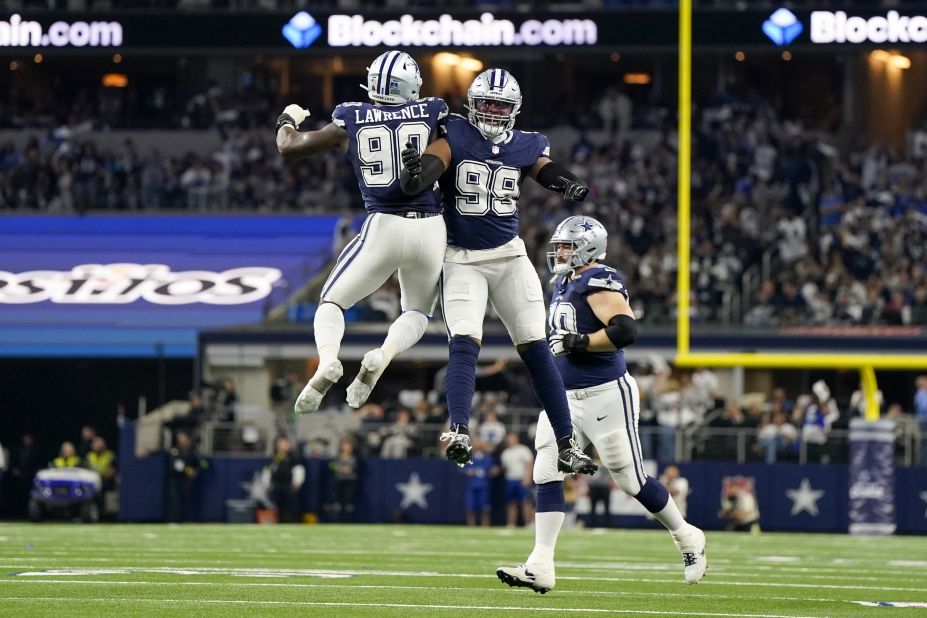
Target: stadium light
[(446, 58), (637, 79), (900, 62), (115, 80), (471, 64)]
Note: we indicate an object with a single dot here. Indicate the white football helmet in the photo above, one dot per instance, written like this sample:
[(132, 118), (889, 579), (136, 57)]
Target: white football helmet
[(493, 101), (588, 238), (393, 78)]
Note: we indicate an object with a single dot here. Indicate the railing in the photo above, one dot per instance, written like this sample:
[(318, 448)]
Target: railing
[(741, 445), (692, 443)]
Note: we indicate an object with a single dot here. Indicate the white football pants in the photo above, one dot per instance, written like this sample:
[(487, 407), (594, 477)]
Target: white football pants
[(386, 244), (605, 416), (510, 284)]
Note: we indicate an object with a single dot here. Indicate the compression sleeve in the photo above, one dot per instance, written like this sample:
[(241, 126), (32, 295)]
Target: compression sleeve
[(432, 168)]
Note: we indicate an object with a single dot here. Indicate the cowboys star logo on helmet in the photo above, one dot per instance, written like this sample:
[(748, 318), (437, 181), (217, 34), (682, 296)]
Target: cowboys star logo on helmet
[(493, 101), (587, 239)]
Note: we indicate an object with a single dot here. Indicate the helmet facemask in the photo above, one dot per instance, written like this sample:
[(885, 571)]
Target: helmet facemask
[(491, 116), (562, 260)]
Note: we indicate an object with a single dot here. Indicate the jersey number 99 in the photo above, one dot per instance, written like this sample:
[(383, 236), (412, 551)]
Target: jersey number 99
[(481, 188)]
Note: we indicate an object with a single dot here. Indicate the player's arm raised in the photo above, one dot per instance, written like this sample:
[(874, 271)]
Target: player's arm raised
[(295, 144), (421, 171), (613, 310), (551, 175)]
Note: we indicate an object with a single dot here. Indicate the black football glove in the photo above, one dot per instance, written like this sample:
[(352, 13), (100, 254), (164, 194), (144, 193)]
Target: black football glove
[(562, 343), (411, 160), (573, 190)]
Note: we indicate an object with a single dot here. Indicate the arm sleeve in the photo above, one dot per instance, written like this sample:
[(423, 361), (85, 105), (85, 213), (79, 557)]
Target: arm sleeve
[(552, 176), (432, 168)]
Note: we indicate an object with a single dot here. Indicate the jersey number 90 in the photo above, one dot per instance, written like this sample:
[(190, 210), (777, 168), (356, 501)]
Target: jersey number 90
[(481, 188), (378, 149)]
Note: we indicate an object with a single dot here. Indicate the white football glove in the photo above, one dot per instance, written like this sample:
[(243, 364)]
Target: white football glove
[(297, 113)]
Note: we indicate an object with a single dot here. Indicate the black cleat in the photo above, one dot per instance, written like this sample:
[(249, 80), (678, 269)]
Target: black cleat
[(458, 446), (572, 460)]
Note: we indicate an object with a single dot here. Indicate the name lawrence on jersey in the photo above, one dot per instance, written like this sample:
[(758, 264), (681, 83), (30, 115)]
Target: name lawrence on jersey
[(375, 114)]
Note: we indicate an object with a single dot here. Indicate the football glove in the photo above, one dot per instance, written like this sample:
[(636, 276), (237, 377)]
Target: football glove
[(293, 115), (411, 160), (564, 342), (573, 190)]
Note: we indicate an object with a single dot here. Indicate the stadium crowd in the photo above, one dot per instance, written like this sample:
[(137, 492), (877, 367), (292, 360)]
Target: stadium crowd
[(786, 231)]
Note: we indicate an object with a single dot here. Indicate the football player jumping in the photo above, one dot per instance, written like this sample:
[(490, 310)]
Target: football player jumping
[(481, 162), (590, 323), (401, 233)]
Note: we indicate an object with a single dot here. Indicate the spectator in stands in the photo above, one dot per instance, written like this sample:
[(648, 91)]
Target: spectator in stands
[(285, 475), (344, 468), (400, 437), (818, 414), (184, 465), (724, 445), (776, 436), (517, 468), (373, 426), (600, 492), (24, 463), (781, 399), (479, 491), (677, 486), (491, 431), (920, 410), (87, 435), (103, 461), (739, 507), (227, 400), (67, 457)]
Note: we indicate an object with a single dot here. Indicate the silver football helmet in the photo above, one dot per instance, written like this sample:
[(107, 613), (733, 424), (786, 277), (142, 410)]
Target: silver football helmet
[(493, 101), (393, 78), (588, 239)]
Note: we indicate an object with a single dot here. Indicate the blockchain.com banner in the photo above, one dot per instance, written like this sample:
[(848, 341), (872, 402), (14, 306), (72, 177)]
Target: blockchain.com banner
[(324, 33), (872, 476), (143, 286)]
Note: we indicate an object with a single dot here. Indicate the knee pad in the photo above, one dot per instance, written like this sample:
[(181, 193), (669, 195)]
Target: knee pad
[(615, 450), (545, 467), (545, 463)]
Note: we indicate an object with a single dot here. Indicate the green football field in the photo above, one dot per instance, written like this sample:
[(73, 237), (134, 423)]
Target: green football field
[(383, 570)]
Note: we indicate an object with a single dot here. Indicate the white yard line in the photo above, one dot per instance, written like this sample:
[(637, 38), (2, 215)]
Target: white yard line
[(353, 586), (489, 608), (278, 572)]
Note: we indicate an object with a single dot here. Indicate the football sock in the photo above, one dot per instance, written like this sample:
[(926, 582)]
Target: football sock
[(403, 334), (460, 379), (656, 499), (328, 326), (548, 386), (547, 521)]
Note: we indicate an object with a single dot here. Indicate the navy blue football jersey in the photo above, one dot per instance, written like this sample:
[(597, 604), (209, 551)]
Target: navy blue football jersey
[(482, 183), (376, 136), (570, 310)]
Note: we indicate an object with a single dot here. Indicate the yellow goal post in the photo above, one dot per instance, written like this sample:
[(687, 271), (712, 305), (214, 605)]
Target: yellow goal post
[(866, 364)]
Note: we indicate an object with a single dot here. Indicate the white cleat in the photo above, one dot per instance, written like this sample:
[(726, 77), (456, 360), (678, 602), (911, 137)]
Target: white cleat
[(691, 543), (372, 367), (538, 577), (311, 398)]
